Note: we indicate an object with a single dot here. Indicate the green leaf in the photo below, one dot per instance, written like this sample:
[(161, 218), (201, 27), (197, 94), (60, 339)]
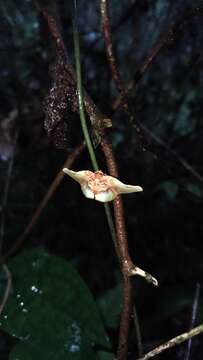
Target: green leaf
[(110, 306), (103, 355), (24, 351), (51, 310)]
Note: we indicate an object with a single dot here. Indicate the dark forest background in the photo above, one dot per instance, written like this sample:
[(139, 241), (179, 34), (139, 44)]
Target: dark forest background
[(165, 222)]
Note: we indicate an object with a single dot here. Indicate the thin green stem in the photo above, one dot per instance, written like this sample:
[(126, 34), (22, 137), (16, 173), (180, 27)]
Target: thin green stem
[(111, 226), (83, 118), (80, 93)]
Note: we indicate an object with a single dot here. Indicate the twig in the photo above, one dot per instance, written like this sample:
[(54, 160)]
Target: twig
[(105, 22), (173, 152), (193, 319), (7, 289), (108, 44), (173, 342), (51, 190), (162, 41), (124, 17), (139, 73), (5, 192), (92, 110)]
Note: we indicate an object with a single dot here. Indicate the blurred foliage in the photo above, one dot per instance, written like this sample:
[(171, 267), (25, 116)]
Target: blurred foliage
[(51, 311), (110, 305), (165, 222)]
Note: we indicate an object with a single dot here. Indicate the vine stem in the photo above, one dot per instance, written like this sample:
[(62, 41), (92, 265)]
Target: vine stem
[(83, 118), (80, 91)]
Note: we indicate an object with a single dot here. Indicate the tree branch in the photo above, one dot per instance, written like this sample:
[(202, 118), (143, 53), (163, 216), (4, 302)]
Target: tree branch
[(127, 267), (164, 38), (7, 289), (174, 153), (173, 342), (51, 190), (105, 22)]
